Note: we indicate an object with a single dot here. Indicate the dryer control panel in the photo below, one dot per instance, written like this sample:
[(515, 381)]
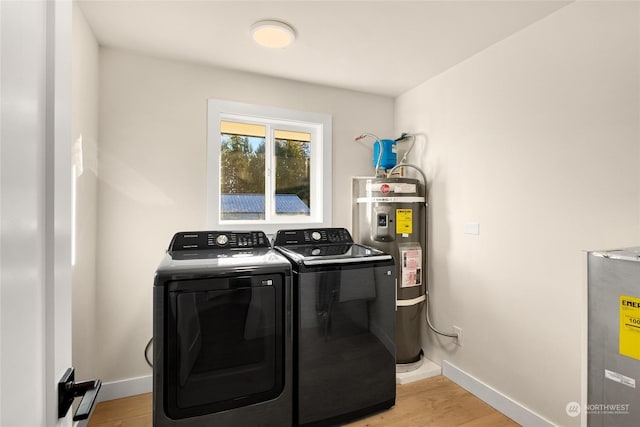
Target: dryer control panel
[(200, 240)]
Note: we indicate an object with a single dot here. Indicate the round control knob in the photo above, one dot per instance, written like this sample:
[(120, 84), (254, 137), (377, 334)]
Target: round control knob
[(315, 251), (222, 239), (316, 235)]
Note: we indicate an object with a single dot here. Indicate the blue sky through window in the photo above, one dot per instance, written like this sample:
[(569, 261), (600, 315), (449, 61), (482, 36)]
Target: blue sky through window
[(255, 142)]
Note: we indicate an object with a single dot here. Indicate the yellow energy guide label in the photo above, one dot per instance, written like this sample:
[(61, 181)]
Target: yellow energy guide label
[(630, 326), (404, 221)]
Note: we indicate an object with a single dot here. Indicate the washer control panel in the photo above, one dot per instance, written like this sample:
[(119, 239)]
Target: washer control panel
[(312, 236), (199, 240)]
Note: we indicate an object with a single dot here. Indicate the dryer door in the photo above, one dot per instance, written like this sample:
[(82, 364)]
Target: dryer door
[(225, 345)]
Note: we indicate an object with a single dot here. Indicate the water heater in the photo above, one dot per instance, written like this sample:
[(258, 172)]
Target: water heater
[(390, 214)]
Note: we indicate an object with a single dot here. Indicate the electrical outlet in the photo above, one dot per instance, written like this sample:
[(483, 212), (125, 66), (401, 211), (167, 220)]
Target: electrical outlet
[(458, 330)]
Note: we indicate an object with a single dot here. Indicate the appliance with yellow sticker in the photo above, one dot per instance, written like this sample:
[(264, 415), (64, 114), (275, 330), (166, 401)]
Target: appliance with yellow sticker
[(390, 215), (613, 381)]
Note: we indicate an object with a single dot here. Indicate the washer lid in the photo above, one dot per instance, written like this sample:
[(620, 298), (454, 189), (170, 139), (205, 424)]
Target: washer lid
[(333, 254), (322, 246)]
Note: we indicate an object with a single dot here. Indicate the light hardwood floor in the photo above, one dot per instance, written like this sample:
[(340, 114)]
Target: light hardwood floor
[(434, 402)]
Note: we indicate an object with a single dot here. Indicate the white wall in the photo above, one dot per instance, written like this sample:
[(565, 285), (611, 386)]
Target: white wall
[(151, 181), (85, 62), (537, 140)]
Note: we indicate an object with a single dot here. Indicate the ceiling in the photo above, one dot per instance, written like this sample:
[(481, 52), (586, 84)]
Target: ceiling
[(381, 47)]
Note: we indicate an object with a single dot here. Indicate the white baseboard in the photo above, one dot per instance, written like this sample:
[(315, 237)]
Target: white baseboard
[(125, 388), (493, 397)]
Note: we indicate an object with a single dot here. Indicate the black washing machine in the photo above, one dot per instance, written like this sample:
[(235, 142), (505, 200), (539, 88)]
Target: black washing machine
[(222, 332), (344, 314)]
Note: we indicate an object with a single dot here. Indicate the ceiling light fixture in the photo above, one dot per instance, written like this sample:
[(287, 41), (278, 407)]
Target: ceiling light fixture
[(273, 34)]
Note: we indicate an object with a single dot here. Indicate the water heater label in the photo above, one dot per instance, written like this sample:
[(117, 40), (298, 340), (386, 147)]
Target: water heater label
[(630, 326), (619, 378), (411, 268), (396, 187), (404, 221)]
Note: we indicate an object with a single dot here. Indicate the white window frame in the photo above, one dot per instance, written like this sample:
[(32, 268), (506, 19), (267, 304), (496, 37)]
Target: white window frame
[(318, 124)]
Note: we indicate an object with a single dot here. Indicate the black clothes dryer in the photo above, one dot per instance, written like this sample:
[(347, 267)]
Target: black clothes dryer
[(222, 332), (344, 314)]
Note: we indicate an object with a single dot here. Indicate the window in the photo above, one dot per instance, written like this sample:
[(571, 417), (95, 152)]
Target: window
[(268, 168)]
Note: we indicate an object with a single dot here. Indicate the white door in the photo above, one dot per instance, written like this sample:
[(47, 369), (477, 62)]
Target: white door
[(35, 209)]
